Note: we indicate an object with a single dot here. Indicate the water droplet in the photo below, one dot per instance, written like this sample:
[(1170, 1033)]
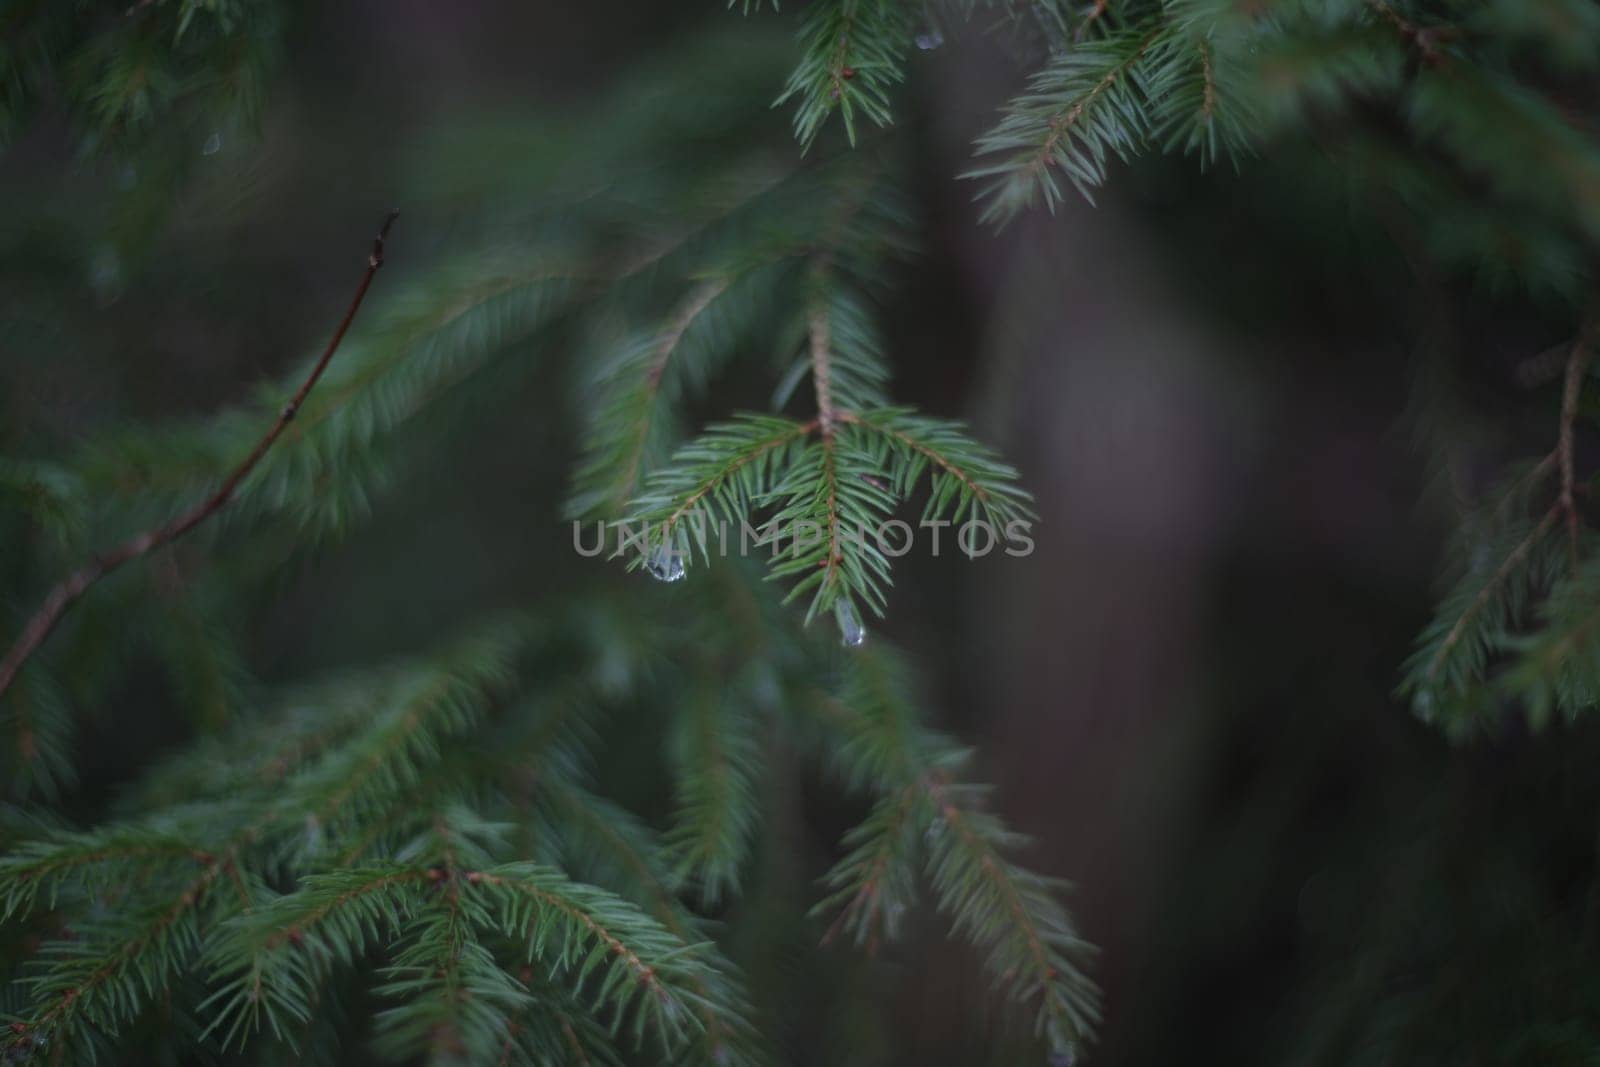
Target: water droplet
[(1064, 1057), (930, 39), (213, 144), (105, 273), (666, 563), (850, 627), (1423, 705)]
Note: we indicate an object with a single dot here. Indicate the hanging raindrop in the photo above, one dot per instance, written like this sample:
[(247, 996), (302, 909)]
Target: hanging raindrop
[(213, 144), (665, 563), (313, 836), (930, 39), (1066, 1056), (850, 627)]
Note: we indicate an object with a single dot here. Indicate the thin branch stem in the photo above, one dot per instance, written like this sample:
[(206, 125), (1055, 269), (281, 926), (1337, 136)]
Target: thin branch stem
[(1572, 391), (701, 298), (822, 378), (71, 588), (1526, 484), (822, 367), (1089, 20), (728, 470), (1425, 39), (1066, 121), (867, 902), (1208, 99), (1513, 560), (72, 999), (934, 456)]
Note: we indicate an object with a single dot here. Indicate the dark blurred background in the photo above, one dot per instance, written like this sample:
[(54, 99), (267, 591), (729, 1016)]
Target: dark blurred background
[(1184, 693)]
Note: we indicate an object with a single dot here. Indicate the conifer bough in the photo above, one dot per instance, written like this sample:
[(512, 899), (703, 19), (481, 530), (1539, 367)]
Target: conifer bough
[(436, 829), (66, 592)]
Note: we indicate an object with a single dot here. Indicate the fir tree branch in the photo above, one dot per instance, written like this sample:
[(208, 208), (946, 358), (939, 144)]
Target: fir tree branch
[(715, 813), (1486, 594), (1011, 913), (1084, 105), (646, 969), (109, 988), (67, 592), (851, 52), (41, 867), (42, 724), (1008, 912), (613, 840), (872, 884), (270, 957), (691, 309), (725, 471), (963, 474), (822, 381)]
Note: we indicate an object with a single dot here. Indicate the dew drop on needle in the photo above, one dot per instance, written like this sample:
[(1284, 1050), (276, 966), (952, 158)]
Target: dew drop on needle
[(850, 627), (665, 563)]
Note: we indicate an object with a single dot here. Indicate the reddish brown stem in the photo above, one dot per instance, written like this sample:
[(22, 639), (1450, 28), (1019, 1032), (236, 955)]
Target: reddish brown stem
[(1095, 12), (69, 589)]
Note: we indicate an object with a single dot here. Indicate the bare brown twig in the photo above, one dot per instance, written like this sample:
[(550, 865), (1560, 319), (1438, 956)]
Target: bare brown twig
[(68, 590)]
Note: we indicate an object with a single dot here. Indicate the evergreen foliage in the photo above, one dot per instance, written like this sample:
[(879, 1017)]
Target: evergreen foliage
[(1498, 155), (162, 70), (432, 835), (428, 836)]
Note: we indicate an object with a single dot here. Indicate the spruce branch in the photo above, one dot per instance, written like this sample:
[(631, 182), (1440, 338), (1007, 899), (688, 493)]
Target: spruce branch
[(695, 304), (1475, 620), (67, 592), (270, 959), (964, 477), (643, 969), (1084, 107), (925, 816), (1557, 666), (619, 853), (1485, 595), (874, 884), (721, 476), (104, 975), (718, 763), (42, 724), (1010, 912), (851, 57), (92, 861), (820, 347)]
